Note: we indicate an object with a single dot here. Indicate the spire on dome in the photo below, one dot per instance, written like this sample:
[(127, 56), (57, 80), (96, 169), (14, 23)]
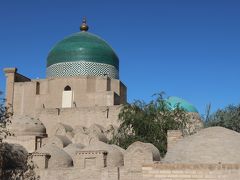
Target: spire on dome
[(84, 26)]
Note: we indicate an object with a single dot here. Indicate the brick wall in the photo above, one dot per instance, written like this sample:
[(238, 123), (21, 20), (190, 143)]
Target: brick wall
[(116, 173), (149, 172), (85, 116), (191, 172), (172, 137), (69, 174)]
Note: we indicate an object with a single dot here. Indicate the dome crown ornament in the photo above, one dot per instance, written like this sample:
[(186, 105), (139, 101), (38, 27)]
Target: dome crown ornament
[(84, 26)]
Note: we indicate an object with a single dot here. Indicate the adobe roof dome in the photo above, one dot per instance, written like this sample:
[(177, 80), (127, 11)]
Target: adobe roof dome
[(173, 102), (26, 125), (210, 145), (59, 158), (72, 149), (145, 147), (59, 141), (82, 53)]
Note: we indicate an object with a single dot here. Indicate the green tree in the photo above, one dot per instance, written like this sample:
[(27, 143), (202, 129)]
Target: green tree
[(228, 117), (4, 118), (148, 122)]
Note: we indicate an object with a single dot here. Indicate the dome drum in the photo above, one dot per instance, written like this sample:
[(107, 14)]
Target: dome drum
[(82, 68)]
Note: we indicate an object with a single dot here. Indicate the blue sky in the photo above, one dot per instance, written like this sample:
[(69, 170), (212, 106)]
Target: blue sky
[(187, 48)]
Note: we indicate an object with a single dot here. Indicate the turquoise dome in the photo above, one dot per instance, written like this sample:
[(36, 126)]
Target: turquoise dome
[(173, 102), (82, 53)]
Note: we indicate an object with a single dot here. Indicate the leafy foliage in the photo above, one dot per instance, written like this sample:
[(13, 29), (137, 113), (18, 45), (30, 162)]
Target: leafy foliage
[(15, 163), (228, 117), (148, 122), (4, 119)]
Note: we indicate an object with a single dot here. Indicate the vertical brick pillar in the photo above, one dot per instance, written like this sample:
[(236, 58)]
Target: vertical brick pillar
[(10, 74), (41, 159)]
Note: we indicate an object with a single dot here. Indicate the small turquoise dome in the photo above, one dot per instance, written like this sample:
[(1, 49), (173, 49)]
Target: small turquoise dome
[(82, 53), (173, 102)]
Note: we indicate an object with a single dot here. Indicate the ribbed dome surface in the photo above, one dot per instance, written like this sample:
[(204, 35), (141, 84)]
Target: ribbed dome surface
[(210, 145), (82, 53)]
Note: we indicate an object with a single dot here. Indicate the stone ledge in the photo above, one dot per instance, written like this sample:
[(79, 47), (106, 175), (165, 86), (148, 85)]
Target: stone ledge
[(192, 166), (92, 152), (10, 70), (40, 154)]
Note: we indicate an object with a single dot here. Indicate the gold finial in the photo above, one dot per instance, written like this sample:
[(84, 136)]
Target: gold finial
[(84, 26)]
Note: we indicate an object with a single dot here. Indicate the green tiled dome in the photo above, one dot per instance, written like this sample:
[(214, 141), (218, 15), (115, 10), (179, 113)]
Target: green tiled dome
[(82, 53), (173, 102)]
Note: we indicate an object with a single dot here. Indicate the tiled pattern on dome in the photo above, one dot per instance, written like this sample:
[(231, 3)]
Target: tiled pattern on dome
[(82, 68)]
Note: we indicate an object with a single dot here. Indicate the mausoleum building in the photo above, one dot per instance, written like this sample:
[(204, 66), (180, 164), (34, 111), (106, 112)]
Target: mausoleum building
[(63, 122)]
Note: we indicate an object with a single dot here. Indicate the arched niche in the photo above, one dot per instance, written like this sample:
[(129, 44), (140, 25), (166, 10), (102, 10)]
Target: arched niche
[(67, 97), (37, 88), (67, 88)]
